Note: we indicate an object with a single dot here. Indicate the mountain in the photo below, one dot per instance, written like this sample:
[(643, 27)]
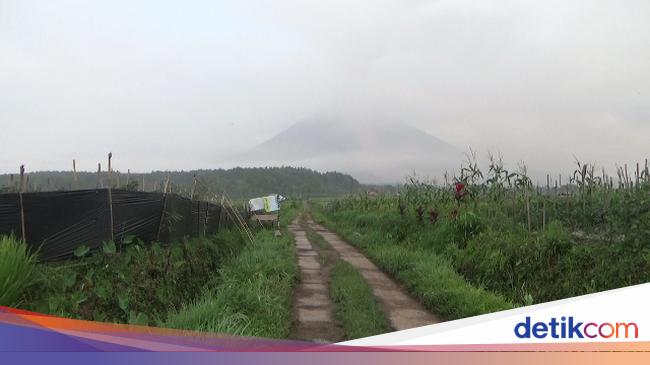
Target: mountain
[(372, 153)]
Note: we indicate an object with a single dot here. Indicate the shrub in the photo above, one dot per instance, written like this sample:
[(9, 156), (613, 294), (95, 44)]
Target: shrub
[(136, 284), (16, 268)]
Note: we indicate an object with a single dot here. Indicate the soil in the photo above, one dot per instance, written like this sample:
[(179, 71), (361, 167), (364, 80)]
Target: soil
[(313, 309)]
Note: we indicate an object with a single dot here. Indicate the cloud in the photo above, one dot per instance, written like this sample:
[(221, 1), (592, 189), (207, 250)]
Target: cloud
[(170, 85)]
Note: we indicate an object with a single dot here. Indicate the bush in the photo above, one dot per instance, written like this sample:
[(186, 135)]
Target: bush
[(16, 270), (138, 284)]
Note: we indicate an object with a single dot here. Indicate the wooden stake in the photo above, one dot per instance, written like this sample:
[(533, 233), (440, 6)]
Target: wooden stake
[(223, 197), (110, 181), (110, 208), (99, 178), (22, 178), (75, 177), (162, 213), (166, 184), (22, 217)]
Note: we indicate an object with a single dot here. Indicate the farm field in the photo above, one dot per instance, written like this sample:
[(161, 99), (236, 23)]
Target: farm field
[(478, 245), (134, 282), (341, 268)]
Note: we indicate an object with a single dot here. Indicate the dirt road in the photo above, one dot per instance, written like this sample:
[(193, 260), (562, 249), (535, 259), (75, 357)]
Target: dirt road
[(402, 311), (313, 307)]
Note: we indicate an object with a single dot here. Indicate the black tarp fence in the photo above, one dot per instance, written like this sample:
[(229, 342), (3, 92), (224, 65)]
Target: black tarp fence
[(56, 223)]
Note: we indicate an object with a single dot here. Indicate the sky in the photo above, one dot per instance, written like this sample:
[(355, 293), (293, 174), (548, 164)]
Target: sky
[(176, 85)]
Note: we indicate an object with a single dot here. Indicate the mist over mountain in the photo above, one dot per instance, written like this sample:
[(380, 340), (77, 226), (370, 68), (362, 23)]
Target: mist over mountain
[(382, 152)]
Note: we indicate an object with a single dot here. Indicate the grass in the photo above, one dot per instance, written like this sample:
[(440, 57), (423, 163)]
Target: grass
[(288, 212), (428, 276), (316, 239), (16, 270), (253, 295), (355, 305)]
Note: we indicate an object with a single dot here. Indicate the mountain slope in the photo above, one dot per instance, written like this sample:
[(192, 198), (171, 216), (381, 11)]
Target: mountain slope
[(373, 153)]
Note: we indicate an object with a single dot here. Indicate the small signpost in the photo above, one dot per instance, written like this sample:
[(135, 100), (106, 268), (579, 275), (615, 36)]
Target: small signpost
[(266, 210)]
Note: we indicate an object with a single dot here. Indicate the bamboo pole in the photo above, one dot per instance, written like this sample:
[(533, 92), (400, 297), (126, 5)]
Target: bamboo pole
[(162, 212), (110, 209), (110, 181), (22, 178), (99, 178), (75, 177), (223, 197)]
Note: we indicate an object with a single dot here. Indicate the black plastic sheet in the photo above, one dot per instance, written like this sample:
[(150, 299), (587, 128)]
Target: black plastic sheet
[(10, 214), (56, 223), (212, 219), (136, 214), (177, 220)]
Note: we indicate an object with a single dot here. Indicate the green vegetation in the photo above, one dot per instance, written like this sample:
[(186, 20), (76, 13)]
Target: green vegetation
[(355, 305), (316, 239), (130, 283), (16, 270), (430, 277), (477, 244), (289, 211), (252, 295), (238, 182)]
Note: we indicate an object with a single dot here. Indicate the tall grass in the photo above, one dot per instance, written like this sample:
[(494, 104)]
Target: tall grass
[(16, 269), (252, 296)]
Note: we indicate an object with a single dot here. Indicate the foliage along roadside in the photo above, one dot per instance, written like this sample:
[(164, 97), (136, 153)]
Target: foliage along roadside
[(253, 295), (428, 276), (529, 246), (133, 283), (16, 270)]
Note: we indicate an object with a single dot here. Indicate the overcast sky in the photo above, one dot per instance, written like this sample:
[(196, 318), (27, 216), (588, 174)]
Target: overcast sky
[(173, 85)]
